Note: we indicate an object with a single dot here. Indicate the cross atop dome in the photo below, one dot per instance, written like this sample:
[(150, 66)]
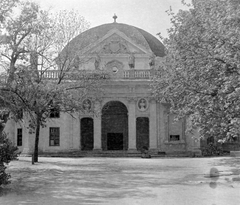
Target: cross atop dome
[(115, 18)]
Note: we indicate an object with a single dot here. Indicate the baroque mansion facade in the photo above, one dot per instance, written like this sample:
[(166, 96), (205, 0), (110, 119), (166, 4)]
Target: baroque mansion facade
[(129, 118)]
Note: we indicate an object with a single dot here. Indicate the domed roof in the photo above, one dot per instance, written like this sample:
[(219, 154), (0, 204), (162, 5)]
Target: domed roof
[(137, 36)]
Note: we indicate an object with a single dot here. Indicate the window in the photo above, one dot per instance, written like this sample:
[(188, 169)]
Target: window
[(20, 114), (174, 138), (19, 137), (210, 140), (236, 139), (54, 139), (54, 112)]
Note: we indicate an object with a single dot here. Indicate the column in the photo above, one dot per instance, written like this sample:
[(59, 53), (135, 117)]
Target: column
[(70, 130), (153, 125), (132, 125), (97, 126)]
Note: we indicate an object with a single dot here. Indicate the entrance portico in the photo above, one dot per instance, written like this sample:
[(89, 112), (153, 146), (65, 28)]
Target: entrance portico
[(114, 126), (122, 126)]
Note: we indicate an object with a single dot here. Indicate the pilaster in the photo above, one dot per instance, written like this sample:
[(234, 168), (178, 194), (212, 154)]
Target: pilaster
[(132, 124), (161, 129), (153, 125), (70, 129), (97, 144)]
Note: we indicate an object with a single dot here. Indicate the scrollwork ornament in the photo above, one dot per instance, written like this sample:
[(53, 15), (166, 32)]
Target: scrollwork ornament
[(87, 105), (142, 104)]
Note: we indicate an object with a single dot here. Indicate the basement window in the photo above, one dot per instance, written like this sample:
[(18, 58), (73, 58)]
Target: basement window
[(174, 138)]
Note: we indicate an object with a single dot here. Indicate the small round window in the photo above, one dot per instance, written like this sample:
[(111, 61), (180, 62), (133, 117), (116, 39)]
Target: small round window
[(115, 69)]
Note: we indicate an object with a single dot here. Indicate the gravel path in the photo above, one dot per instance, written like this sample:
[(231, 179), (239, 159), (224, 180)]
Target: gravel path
[(182, 181)]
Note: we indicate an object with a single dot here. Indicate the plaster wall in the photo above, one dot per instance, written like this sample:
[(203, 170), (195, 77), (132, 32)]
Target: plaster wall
[(161, 123)]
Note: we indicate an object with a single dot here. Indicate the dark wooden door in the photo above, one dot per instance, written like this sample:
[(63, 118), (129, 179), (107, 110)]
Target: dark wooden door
[(87, 133), (142, 131)]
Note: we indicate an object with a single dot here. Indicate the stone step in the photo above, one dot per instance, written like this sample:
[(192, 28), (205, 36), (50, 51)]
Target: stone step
[(235, 153), (100, 153)]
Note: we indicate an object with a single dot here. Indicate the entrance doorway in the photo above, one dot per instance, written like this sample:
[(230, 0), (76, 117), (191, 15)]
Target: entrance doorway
[(114, 126), (86, 133), (142, 131), (115, 141)]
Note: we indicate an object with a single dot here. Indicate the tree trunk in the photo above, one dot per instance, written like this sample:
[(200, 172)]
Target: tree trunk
[(35, 153), (4, 119), (11, 71)]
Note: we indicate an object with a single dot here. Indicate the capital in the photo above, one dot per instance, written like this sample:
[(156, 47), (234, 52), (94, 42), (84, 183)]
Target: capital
[(152, 100), (132, 99), (97, 100)]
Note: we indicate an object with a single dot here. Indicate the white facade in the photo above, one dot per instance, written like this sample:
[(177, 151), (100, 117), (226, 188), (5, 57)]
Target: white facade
[(132, 118)]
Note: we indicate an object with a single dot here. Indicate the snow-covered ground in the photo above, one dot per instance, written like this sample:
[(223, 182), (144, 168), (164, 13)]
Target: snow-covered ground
[(120, 181)]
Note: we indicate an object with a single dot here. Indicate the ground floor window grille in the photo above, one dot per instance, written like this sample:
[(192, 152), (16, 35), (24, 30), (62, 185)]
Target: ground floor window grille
[(54, 136), (19, 137)]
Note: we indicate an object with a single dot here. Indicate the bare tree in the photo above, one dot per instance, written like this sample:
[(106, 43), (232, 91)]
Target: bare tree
[(39, 44)]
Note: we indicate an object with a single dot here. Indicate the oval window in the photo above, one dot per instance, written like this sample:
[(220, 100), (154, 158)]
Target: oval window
[(115, 69)]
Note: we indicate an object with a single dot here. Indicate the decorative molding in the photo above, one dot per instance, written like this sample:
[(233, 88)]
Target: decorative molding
[(114, 42), (87, 105), (174, 142), (131, 89), (97, 100), (113, 65), (142, 104), (131, 61), (115, 45), (152, 61), (152, 100), (97, 61), (132, 99)]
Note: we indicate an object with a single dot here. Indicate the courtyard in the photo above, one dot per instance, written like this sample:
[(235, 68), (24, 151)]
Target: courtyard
[(182, 181)]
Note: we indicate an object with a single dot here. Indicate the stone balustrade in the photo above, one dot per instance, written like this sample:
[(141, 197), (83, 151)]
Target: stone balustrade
[(50, 74), (137, 74), (127, 74)]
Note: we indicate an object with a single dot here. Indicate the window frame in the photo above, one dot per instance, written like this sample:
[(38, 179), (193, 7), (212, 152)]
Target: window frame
[(54, 136), (171, 137), (54, 112), (19, 137)]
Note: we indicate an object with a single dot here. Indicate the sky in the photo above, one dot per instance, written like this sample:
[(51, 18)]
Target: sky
[(149, 15)]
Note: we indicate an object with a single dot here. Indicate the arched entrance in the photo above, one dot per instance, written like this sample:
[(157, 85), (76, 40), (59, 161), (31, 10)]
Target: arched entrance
[(114, 126), (87, 133), (142, 131)]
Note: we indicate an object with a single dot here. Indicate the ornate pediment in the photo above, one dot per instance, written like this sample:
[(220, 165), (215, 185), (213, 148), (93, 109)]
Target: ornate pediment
[(115, 43)]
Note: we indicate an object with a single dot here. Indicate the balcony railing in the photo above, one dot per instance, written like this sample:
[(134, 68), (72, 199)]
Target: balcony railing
[(55, 74), (126, 74), (50, 74), (137, 74)]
